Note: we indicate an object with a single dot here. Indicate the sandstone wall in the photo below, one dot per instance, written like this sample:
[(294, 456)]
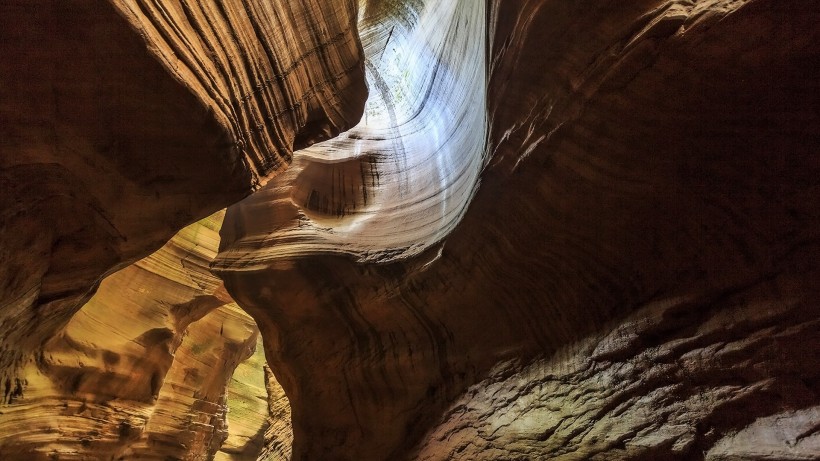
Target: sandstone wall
[(635, 277)]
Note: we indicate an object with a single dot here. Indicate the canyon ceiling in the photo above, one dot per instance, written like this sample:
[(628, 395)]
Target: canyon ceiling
[(409, 229)]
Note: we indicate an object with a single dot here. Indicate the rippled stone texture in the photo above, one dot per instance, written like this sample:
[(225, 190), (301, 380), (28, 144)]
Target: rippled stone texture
[(384, 191), (635, 277), (159, 364), (565, 231), (401, 179), (122, 122)]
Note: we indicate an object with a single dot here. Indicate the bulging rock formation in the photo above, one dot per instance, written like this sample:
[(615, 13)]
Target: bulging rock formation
[(633, 279), (124, 121), (159, 364), (399, 181), (554, 230)]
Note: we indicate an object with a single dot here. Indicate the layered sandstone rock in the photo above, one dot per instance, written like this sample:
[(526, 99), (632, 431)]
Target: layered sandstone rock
[(247, 403), (190, 418), (159, 364), (384, 191), (401, 179), (123, 121), (634, 279), (559, 231)]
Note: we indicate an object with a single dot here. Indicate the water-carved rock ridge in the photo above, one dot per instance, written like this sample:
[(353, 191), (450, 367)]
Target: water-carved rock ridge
[(159, 364), (124, 121), (401, 179), (556, 231)]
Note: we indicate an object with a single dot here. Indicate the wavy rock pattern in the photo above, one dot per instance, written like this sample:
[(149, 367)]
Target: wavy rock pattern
[(401, 179), (279, 434), (247, 403), (125, 121), (190, 420), (152, 367), (385, 190), (564, 231), (641, 247)]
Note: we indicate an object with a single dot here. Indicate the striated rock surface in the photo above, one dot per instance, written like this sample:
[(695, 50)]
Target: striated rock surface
[(258, 419), (384, 191), (635, 278), (279, 434), (152, 367), (669, 382), (559, 231), (247, 403), (122, 122), (190, 420), (401, 179)]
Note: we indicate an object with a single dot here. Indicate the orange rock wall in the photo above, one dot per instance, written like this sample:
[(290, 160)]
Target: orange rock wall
[(123, 122), (559, 231), (634, 278)]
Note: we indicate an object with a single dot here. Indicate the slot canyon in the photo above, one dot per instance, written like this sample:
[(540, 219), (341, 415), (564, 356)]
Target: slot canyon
[(370, 230)]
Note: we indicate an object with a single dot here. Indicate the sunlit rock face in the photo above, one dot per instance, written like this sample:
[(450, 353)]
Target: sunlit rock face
[(159, 364), (124, 121), (558, 231), (401, 179), (388, 190), (634, 278)]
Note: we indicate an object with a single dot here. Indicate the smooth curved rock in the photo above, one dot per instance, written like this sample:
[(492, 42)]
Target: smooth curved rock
[(248, 409), (124, 121), (650, 190), (399, 181), (564, 231), (159, 364), (189, 419), (387, 190)]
